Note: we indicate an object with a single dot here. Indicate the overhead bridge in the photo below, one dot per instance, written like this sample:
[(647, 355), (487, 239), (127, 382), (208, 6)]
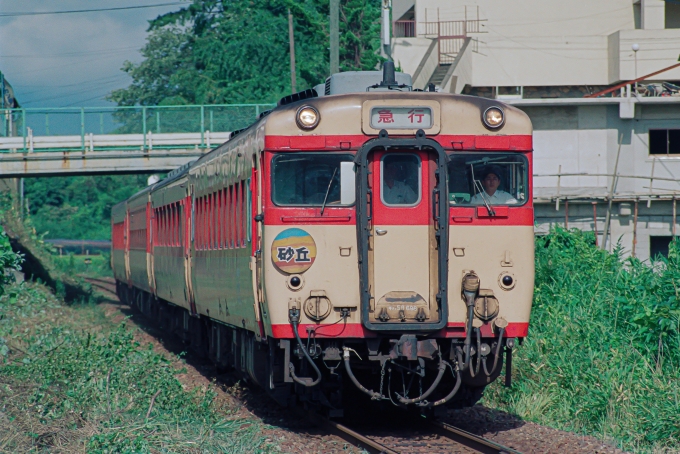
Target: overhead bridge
[(40, 142)]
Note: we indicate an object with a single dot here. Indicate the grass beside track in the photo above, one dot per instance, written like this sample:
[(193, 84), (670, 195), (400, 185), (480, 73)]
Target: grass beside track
[(71, 380), (602, 358), (603, 353)]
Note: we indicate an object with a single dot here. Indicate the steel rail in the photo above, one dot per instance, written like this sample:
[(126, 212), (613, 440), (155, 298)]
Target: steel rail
[(355, 438), (458, 436), (102, 284), (469, 440)]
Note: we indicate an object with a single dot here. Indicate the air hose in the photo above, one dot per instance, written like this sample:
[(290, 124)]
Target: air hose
[(496, 354), (446, 398), (440, 374), (294, 316), (470, 289), (374, 395), (479, 354)]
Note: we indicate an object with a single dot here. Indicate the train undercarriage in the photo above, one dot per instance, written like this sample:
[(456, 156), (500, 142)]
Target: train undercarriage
[(405, 370)]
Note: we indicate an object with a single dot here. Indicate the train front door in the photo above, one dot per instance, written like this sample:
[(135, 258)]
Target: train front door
[(404, 262)]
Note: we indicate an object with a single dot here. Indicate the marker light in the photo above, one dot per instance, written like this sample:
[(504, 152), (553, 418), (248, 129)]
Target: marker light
[(307, 117), (493, 117)]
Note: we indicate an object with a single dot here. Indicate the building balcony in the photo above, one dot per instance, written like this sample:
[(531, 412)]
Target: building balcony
[(657, 49)]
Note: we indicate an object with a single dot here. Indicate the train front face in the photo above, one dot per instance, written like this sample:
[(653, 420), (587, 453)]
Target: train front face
[(398, 244)]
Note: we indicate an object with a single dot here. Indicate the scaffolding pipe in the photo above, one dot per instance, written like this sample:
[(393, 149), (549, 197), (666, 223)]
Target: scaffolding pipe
[(559, 177), (566, 214), (674, 215), (635, 219), (607, 221), (595, 220), (636, 80), (651, 183)]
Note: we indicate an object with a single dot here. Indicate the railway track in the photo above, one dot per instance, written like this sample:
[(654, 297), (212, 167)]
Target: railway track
[(108, 285), (432, 437), (420, 436)]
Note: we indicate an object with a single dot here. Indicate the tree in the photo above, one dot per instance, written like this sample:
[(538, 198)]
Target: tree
[(230, 51), (78, 207)]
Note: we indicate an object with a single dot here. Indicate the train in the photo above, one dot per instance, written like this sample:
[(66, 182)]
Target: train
[(362, 238)]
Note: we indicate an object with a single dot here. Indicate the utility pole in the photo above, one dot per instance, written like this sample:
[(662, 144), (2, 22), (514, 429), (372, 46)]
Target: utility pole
[(335, 36), (386, 35), (636, 48), (291, 41)]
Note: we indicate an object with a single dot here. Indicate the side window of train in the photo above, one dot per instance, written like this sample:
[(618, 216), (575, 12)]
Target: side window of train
[(307, 179), (222, 217), (173, 233), (244, 213), (249, 212), (230, 216), (493, 178)]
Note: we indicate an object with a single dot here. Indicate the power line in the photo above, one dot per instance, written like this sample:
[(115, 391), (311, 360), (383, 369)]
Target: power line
[(42, 13), (72, 94), (117, 77), (74, 54)]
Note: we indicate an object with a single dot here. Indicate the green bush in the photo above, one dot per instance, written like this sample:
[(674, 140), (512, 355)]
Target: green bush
[(9, 260), (71, 264), (602, 356)]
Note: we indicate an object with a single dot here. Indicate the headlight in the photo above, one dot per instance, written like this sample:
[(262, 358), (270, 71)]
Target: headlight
[(493, 117), (307, 117)]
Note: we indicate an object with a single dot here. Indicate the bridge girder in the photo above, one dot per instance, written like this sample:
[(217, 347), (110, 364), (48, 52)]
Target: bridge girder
[(71, 163)]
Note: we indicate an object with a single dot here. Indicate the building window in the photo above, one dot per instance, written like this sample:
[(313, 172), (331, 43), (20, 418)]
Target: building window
[(672, 15), (664, 141), (658, 245)]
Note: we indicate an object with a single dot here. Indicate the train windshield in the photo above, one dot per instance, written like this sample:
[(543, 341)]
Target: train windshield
[(488, 178), (308, 179)]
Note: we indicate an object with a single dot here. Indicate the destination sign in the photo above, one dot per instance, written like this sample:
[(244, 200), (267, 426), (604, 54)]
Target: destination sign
[(385, 117)]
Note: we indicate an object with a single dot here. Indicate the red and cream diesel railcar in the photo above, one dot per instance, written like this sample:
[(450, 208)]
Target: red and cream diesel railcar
[(380, 237)]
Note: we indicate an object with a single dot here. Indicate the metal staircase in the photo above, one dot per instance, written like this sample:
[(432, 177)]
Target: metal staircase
[(438, 76)]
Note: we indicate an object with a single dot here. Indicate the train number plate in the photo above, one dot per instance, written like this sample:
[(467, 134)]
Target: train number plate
[(385, 117)]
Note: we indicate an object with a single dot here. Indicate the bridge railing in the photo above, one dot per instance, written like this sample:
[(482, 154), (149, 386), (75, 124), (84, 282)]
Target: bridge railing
[(57, 129)]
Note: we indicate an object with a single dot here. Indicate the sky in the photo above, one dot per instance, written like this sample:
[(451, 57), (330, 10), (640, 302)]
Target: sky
[(72, 59)]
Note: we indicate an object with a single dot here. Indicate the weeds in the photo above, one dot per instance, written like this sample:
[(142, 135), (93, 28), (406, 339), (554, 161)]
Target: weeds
[(85, 265), (67, 388), (602, 358), (603, 352)]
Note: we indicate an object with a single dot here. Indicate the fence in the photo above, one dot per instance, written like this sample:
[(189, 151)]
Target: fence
[(404, 29), (27, 123)]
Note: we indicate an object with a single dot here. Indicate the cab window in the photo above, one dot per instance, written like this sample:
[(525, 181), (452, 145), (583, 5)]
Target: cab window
[(400, 179), (306, 179), (488, 178)]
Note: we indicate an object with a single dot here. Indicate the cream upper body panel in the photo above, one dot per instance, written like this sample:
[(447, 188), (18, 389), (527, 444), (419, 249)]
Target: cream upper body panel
[(342, 114), (492, 252)]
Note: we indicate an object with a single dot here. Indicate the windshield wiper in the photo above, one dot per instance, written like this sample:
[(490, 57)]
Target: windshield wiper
[(328, 190), (486, 202)]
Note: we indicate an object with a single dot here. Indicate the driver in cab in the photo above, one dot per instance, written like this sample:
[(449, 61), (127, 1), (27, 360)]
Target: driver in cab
[(490, 182)]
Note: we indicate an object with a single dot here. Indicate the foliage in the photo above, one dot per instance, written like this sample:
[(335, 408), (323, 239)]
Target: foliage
[(69, 381), (228, 51), (603, 352), (99, 266), (78, 207), (9, 260)]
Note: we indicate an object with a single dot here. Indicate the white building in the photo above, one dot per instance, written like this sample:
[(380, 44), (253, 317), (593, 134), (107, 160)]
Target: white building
[(545, 56)]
